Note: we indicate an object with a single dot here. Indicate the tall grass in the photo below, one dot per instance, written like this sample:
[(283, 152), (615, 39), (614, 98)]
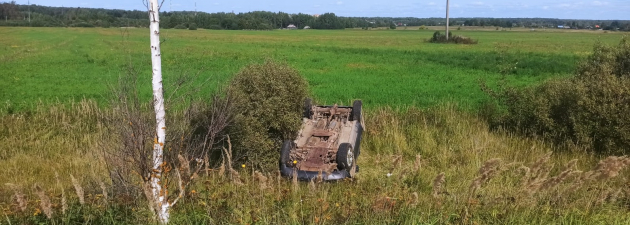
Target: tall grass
[(417, 166)]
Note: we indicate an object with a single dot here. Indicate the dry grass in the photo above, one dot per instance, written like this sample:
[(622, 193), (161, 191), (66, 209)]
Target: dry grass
[(446, 168)]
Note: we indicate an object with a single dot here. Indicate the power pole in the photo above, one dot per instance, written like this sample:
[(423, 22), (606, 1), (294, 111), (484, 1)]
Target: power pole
[(29, 11), (447, 20)]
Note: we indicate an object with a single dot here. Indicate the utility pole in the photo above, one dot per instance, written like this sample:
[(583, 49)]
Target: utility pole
[(447, 20), (29, 12)]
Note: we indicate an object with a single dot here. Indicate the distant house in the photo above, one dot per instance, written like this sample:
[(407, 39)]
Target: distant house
[(307, 27), (291, 27), (560, 27)]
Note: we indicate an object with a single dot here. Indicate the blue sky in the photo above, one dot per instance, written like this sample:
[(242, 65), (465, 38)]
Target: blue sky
[(588, 9)]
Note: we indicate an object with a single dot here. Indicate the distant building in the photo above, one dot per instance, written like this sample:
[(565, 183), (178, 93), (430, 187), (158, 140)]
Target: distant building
[(560, 26), (291, 27), (307, 27)]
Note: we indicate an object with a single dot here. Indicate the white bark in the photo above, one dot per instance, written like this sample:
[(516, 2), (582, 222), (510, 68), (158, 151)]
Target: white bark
[(159, 198)]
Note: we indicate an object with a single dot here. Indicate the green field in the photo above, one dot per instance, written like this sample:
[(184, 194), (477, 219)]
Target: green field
[(425, 157), (384, 68)]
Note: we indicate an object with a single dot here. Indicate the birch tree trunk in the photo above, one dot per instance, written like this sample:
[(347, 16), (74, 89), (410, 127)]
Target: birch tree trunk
[(159, 199)]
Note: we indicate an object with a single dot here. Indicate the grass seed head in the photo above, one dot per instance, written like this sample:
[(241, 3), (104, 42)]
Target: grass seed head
[(78, 189), (438, 183), (44, 201)]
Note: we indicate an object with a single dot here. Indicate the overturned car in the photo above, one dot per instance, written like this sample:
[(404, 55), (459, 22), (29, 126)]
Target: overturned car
[(327, 144)]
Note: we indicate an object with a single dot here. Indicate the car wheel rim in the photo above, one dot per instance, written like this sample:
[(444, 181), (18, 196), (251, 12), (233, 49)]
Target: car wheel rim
[(350, 157)]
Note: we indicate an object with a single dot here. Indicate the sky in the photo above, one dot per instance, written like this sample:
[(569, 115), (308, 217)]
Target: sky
[(563, 9)]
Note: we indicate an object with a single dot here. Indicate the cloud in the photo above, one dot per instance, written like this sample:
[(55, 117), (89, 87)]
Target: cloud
[(431, 3), (545, 7), (339, 3), (476, 3), (598, 3)]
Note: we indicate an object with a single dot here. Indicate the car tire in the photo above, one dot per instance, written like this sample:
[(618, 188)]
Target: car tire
[(285, 153), (356, 111), (345, 157), (308, 108)]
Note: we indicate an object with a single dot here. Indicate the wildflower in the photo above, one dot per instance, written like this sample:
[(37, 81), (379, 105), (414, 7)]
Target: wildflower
[(37, 212), (243, 165), (193, 192), (294, 161)]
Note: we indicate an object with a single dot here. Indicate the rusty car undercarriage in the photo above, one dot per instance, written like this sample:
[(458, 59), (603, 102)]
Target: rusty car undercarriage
[(327, 144)]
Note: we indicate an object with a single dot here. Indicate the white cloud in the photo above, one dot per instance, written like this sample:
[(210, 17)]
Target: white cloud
[(598, 3), (477, 3), (431, 3), (545, 7), (339, 3)]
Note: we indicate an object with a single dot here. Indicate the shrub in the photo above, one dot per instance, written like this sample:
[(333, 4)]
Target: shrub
[(214, 27), (456, 39), (192, 26), (82, 24), (590, 109), (180, 26), (392, 26), (269, 103)]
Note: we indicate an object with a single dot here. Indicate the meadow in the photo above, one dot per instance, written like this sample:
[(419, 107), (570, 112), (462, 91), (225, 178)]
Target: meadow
[(384, 68), (426, 157)]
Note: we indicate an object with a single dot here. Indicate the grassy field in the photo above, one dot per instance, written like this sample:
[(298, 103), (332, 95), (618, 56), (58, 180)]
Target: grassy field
[(384, 68), (445, 165)]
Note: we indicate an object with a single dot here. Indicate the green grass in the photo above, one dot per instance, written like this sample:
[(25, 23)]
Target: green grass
[(384, 68), (39, 66)]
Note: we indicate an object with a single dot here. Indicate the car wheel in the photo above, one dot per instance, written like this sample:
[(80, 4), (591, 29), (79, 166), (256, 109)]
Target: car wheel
[(284, 153), (345, 156), (356, 111), (308, 108)]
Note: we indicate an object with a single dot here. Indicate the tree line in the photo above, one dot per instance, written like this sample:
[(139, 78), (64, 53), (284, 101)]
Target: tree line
[(12, 14)]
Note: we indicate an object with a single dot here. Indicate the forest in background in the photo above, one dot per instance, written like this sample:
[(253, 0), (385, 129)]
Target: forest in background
[(12, 14)]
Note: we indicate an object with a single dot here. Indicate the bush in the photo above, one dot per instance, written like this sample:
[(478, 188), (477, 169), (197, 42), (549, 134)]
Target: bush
[(269, 103), (180, 26), (590, 109), (214, 27), (192, 26), (455, 39), (392, 26)]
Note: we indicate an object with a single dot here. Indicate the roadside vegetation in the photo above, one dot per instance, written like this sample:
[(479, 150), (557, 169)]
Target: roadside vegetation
[(588, 109), (434, 162)]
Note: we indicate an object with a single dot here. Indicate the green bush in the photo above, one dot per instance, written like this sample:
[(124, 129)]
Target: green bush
[(192, 26), (214, 27), (455, 39), (269, 103), (590, 109), (180, 26)]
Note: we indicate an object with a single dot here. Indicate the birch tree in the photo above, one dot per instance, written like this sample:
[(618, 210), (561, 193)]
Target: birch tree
[(155, 193)]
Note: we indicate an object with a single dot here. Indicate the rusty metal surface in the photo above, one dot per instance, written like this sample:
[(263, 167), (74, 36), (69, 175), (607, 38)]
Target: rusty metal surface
[(320, 136)]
